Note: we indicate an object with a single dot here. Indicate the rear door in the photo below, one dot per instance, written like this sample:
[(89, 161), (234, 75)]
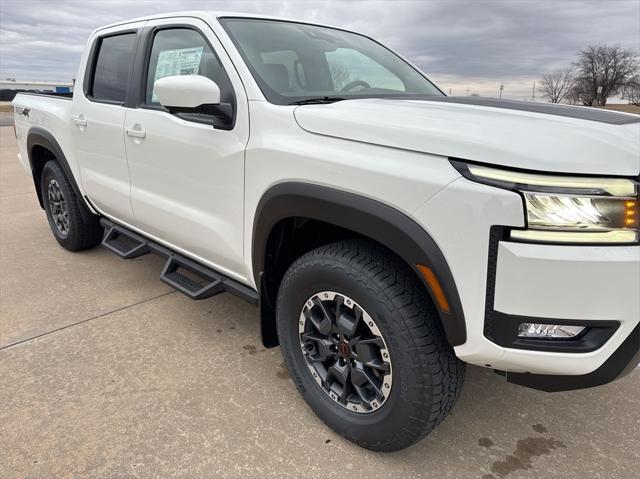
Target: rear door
[(98, 114), (187, 169)]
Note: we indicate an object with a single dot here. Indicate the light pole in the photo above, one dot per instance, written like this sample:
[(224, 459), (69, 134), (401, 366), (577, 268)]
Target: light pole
[(533, 93)]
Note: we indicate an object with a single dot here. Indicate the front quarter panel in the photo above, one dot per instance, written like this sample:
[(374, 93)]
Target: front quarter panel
[(280, 151), (459, 218)]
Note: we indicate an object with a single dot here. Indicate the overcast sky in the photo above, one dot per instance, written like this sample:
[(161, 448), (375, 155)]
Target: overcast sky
[(465, 46)]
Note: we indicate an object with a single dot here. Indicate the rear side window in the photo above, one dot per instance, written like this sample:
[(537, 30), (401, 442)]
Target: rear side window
[(111, 73)]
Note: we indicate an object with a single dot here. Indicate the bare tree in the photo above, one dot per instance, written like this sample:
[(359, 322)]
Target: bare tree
[(581, 93), (604, 70), (340, 74), (632, 90), (557, 84)]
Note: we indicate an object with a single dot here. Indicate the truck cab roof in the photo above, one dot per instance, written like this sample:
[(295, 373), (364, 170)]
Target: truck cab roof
[(204, 15)]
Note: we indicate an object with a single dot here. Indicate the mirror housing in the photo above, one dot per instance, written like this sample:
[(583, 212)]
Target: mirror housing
[(186, 91)]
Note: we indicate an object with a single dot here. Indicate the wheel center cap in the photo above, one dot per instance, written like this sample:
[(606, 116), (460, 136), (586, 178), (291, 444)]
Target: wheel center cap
[(344, 349)]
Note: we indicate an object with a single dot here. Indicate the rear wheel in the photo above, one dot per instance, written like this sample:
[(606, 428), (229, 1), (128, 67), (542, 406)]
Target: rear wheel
[(364, 346), (63, 211)]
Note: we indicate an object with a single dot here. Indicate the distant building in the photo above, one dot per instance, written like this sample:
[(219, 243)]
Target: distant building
[(9, 87)]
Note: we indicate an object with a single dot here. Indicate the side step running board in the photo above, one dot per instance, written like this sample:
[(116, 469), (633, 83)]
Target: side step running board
[(126, 245), (190, 278), (187, 284)]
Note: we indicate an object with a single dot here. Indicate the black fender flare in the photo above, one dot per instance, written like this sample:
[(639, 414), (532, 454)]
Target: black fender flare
[(40, 137), (365, 216)]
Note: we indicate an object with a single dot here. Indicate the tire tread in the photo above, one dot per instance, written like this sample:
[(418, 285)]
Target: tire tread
[(82, 235), (438, 371)]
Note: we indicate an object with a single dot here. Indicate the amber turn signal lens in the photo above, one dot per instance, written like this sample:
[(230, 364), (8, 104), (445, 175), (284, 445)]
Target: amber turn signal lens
[(434, 285), (631, 214)]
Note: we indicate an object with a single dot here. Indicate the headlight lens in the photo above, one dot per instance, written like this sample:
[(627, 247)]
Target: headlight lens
[(580, 212), (564, 209)]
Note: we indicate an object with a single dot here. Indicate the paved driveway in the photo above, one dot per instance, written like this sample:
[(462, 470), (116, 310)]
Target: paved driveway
[(6, 119), (105, 372)]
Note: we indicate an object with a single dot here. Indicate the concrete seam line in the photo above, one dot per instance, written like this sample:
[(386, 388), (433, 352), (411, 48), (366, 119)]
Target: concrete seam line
[(8, 195), (83, 321)]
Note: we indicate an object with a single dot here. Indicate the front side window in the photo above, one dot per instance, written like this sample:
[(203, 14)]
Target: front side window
[(182, 51), (294, 62), (111, 72)]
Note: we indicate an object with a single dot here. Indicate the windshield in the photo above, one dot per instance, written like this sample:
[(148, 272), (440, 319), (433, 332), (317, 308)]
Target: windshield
[(295, 62)]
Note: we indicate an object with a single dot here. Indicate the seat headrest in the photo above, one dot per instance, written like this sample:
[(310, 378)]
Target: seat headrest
[(276, 76)]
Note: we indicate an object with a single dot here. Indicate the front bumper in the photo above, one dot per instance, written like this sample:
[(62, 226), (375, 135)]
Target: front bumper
[(595, 287), (623, 360), (498, 279)]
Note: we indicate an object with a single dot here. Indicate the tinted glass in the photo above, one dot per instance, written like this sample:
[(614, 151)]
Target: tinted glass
[(112, 67), (182, 51), (349, 67), (294, 61)]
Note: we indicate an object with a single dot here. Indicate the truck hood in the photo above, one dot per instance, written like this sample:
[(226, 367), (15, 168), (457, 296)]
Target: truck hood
[(543, 137)]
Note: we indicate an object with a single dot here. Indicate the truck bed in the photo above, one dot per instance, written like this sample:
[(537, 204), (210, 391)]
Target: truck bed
[(66, 95), (50, 113)]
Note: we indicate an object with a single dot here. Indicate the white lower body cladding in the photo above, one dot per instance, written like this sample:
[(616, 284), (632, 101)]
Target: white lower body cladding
[(585, 283)]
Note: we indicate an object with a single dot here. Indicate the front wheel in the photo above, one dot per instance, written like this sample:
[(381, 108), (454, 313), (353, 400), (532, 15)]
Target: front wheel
[(364, 346)]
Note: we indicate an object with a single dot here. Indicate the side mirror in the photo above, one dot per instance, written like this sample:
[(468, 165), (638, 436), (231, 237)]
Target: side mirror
[(186, 91)]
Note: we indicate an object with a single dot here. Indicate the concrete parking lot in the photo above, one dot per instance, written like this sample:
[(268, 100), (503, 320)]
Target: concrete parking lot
[(106, 372)]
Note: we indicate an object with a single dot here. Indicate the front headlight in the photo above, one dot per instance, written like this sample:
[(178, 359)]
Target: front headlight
[(566, 209)]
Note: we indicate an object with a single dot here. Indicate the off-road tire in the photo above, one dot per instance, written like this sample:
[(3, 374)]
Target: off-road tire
[(427, 376), (77, 234)]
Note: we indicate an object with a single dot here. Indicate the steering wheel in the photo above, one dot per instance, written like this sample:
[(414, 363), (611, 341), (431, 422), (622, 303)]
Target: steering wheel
[(354, 84)]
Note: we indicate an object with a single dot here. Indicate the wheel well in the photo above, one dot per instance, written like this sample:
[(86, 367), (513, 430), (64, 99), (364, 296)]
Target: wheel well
[(43, 147), (289, 239), (39, 156)]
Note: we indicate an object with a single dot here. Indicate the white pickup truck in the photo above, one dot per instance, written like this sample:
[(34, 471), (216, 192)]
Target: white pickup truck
[(389, 233)]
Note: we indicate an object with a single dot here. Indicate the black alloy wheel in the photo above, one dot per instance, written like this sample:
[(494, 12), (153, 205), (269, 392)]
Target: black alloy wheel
[(58, 207), (345, 352)]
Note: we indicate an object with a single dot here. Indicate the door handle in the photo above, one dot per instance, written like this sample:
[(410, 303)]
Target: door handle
[(136, 133), (80, 121)]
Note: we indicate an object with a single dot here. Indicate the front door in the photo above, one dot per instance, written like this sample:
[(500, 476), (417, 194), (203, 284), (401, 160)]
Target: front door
[(187, 169)]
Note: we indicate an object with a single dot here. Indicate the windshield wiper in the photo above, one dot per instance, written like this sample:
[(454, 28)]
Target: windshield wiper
[(317, 100)]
